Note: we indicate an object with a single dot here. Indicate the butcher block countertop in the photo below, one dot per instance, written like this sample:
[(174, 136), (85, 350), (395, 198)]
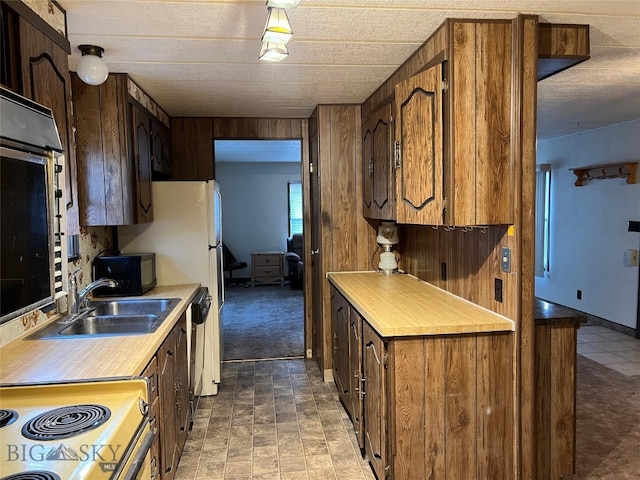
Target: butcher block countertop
[(32, 361), (403, 305)]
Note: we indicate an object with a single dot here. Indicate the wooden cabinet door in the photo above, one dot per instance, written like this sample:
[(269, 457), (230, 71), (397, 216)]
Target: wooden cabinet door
[(181, 385), (167, 393), (161, 150), (142, 163), (355, 373), (419, 181), (383, 204), (375, 400), (367, 169), (46, 80), (340, 325), (151, 373)]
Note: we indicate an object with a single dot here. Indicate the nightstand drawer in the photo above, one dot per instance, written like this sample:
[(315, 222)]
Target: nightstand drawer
[(268, 272), (267, 267), (267, 260)]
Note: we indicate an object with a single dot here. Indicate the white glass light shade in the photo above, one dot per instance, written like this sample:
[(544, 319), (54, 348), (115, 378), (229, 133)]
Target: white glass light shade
[(273, 52), (90, 68), (277, 29), (283, 3), (387, 234)]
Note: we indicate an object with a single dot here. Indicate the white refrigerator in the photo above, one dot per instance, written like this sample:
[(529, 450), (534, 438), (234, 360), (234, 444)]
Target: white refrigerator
[(186, 237)]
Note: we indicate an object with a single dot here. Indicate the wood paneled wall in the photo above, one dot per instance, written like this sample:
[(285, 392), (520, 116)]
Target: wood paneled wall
[(460, 388), (345, 237), (192, 140), (193, 158)]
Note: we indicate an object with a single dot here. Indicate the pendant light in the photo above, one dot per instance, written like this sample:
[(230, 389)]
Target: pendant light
[(277, 29), (91, 68), (290, 4), (273, 52)]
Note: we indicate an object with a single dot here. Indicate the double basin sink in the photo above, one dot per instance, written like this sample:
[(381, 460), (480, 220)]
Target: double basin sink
[(113, 318)]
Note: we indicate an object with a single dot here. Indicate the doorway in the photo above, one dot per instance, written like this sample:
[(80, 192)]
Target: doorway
[(261, 319)]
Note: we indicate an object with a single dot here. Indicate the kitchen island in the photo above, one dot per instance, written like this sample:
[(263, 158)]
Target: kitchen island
[(555, 376), (426, 377)]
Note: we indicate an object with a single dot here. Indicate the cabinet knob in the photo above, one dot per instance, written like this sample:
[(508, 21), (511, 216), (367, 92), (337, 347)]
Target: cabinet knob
[(315, 252)]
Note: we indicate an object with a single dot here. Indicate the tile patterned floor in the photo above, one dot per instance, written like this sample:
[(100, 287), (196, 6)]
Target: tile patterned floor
[(272, 420), (277, 420), (616, 350)]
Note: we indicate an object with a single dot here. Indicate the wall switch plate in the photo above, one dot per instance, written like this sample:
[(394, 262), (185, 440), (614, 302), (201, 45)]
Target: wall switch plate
[(631, 258), (498, 290), (505, 259), (579, 294)]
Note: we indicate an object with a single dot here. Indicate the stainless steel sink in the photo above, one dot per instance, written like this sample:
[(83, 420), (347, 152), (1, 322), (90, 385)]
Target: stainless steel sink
[(113, 318), (133, 307), (112, 325)]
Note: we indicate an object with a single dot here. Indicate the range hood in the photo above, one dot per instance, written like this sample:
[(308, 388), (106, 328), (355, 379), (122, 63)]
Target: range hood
[(27, 123)]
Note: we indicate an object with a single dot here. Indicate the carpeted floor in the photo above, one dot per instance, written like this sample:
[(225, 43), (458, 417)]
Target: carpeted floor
[(263, 322), (607, 424)]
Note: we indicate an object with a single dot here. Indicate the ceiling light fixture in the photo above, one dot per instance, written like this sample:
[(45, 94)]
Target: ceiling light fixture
[(91, 68), (283, 3), (277, 29), (273, 52)]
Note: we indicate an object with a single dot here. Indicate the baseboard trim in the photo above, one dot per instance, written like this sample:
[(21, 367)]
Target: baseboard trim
[(594, 320)]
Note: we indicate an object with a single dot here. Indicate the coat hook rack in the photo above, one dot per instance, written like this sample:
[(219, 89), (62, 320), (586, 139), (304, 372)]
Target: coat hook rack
[(610, 170)]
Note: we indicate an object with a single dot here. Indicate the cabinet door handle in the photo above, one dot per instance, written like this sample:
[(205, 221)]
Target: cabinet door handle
[(315, 252), (396, 162)]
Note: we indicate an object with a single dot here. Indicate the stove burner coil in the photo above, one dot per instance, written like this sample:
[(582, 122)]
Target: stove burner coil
[(7, 417), (33, 475), (65, 422)]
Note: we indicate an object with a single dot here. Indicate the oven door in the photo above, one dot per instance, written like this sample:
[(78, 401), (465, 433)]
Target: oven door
[(137, 463)]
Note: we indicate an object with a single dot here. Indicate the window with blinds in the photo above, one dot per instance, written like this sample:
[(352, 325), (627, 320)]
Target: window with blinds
[(295, 208), (543, 218)]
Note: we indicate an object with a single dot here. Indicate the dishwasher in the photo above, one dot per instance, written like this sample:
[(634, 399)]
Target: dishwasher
[(198, 311)]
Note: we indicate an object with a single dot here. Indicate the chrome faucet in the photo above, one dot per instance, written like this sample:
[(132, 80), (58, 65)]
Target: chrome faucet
[(77, 307)]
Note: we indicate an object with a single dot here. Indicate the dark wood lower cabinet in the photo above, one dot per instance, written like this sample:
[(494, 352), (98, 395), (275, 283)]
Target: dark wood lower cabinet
[(173, 390), (374, 376), (434, 406), (151, 372)]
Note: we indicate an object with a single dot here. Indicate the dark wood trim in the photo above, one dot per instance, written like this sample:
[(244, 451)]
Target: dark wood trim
[(33, 18), (439, 58)]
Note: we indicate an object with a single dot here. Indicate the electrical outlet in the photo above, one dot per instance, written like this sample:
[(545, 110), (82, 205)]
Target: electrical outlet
[(498, 290), (579, 294)]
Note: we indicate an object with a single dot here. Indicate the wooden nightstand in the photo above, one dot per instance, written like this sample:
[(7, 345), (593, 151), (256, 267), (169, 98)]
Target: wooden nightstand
[(267, 267)]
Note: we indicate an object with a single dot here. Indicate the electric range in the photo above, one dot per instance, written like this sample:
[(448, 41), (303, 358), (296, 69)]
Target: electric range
[(80, 430)]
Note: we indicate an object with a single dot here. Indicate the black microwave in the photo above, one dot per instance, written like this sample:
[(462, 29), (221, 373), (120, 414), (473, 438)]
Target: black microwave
[(134, 272)]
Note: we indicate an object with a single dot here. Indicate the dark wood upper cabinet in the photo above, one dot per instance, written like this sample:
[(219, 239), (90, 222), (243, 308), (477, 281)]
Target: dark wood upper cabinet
[(454, 154), (117, 147), (420, 194), (378, 173), (35, 64)]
